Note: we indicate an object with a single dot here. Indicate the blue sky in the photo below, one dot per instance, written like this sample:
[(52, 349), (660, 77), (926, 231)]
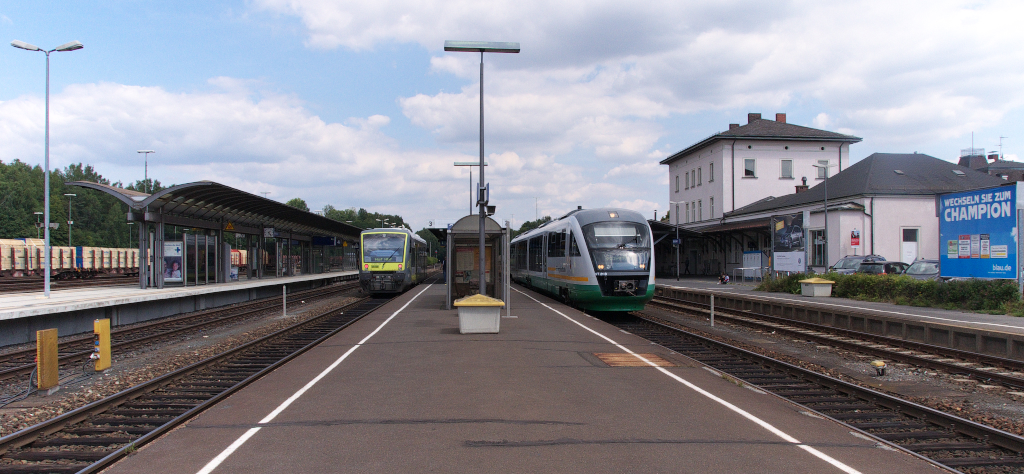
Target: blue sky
[(356, 105)]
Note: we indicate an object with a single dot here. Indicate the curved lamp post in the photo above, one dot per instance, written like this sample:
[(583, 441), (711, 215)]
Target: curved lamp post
[(72, 46)]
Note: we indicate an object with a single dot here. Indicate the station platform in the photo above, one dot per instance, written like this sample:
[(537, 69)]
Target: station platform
[(73, 310), (403, 391), (996, 334)]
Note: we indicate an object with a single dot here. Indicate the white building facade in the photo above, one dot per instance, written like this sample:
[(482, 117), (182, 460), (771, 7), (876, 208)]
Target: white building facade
[(745, 164)]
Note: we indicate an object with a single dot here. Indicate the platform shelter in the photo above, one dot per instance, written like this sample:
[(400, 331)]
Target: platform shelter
[(205, 232), (463, 259)]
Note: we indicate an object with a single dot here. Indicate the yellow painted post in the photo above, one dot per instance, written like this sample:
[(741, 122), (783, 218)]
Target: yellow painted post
[(46, 360), (101, 341)]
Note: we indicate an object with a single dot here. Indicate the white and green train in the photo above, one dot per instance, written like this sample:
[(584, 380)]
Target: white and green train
[(392, 260), (595, 259)]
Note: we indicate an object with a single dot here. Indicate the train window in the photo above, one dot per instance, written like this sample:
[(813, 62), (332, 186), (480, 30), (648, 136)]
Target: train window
[(574, 248), (536, 252), (556, 244)]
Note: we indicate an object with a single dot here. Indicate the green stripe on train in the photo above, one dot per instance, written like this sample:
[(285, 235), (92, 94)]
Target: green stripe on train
[(590, 297)]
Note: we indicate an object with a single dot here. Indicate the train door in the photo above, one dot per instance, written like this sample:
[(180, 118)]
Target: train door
[(557, 266)]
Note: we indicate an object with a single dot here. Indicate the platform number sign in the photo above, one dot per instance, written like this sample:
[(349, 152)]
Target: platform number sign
[(268, 232)]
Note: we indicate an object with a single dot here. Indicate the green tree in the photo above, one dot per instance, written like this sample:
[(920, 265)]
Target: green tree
[(298, 203), (530, 225)]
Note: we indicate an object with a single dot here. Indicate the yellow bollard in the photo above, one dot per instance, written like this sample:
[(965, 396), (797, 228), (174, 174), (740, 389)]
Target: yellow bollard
[(101, 343), (46, 361)]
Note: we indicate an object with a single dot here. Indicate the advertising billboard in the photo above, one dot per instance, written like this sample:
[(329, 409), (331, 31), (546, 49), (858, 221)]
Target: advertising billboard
[(978, 233), (788, 243), (174, 264)]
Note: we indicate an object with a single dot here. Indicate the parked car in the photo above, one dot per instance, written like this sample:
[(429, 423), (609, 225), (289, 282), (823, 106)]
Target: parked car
[(849, 263), (882, 268), (924, 270)]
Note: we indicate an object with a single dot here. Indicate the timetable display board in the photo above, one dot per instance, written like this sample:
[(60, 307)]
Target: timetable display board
[(978, 233)]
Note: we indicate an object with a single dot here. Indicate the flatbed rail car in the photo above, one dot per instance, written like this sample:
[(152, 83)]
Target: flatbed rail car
[(26, 257), (391, 260), (595, 259)]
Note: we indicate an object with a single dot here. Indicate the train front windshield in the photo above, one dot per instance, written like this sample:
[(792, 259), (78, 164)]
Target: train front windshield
[(383, 248), (618, 246)]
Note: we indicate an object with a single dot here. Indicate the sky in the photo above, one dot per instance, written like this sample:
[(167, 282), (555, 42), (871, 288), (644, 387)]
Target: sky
[(355, 104)]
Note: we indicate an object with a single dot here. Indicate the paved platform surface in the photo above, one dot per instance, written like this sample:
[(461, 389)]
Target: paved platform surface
[(23, 305), (403, 391), (987, 322)]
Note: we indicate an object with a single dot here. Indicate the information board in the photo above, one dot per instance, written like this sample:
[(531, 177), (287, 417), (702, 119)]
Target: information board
[(978, 233)]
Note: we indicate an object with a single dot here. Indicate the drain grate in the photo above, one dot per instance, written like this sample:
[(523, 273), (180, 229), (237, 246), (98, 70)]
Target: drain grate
[(622, 359)]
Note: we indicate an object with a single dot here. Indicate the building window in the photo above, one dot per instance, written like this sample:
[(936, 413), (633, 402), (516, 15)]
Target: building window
[(687, 213), (677, 183), (711, 208), (693, 211), (711, 172), (700, 210), (749, 170), (693, 178), (823, 169), (787, 169), (700, 180), (677, 214), (687, 180), (818, 248)]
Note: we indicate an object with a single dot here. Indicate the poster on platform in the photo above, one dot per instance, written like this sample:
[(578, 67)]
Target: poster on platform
[(788, 243), (978, 231), (174, 256)]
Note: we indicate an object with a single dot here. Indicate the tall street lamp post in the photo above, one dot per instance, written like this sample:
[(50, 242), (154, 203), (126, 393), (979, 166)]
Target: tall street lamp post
[(146, 169), (470, 164), (825, 169), (482, 198), (72, 46), (69, 196), (39, 225)]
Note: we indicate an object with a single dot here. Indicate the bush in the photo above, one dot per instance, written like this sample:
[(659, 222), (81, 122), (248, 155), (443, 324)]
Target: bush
[(971, 295)]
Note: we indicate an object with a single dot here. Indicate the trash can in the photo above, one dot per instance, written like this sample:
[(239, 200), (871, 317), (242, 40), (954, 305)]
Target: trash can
[(816, 287), (479, 314)]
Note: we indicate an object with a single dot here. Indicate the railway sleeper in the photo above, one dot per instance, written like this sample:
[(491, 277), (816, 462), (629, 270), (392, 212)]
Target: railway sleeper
[(42, 468), (983, 461), (904, 435), (95, 430), (147, 412), (843, 406), (885, 425), (92, 455), (864, 416), (925, 447), (152, 421), (81, 441)]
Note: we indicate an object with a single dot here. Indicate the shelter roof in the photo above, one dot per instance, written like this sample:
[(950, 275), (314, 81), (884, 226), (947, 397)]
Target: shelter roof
[(884, 174), (219, 203), (764, 129)]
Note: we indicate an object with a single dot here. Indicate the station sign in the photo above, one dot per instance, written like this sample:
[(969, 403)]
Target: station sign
[(321, 240), (978, 233)]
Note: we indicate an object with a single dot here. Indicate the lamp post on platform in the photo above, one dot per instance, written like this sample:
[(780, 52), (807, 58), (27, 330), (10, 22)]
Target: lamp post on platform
[(482, 197), (39, 225), (71, 46), (145, 176), (824, 167), (470, 164)]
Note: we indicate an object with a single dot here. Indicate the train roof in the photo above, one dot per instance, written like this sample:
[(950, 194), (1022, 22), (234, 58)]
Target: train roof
[(395, 230), (590, 216)]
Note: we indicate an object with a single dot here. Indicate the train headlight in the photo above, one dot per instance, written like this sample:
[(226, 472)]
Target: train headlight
[(600, 266), (642, 266), (399, 266), (366, 266)]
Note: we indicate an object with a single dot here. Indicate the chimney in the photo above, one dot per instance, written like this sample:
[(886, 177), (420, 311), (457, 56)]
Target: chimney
[(733, 126), (801, 188), (993, 156), (752, 117), (781, 118)]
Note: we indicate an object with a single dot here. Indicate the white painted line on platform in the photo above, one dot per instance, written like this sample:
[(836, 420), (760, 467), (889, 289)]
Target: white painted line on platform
[(210, 466), (865, 309), (738, 410)]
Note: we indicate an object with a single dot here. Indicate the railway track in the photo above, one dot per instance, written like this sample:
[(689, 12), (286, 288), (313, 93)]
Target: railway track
[(982, 367), (946, 440), (77, 349), (96, 435)]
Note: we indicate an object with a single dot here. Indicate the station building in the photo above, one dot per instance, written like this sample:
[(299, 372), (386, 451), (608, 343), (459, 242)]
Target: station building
[(747, 163), (890, 199)]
